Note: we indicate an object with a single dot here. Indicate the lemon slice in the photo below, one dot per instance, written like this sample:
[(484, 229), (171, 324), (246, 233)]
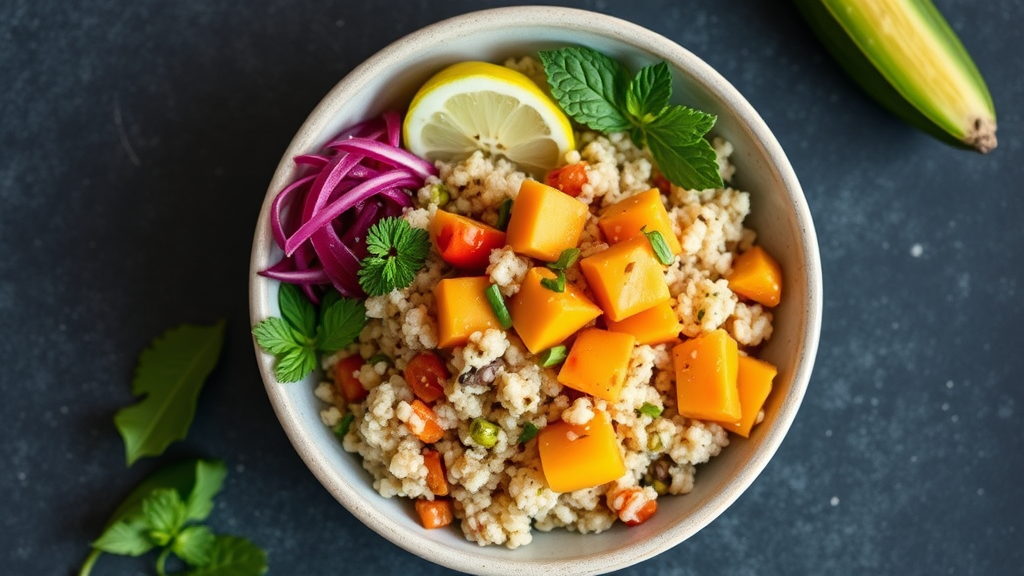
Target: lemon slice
[(473, 106)]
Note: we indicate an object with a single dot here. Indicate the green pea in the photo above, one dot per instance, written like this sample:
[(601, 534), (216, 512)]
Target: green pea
[(484, 433)]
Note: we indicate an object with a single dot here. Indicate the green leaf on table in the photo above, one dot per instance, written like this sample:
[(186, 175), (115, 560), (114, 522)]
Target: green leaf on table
[(194, 545), (165, 514), (209, 477), (169, 376), (126, 537), (233, 556)]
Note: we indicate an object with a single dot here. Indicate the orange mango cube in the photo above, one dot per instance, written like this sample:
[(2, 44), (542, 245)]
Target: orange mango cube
[(624, 219), (656, 325), (544, 221), (757, 276), (706, 370), (598, 362), (462, 309), (754, 383), (626, 278), (544, 318), (574, 457)]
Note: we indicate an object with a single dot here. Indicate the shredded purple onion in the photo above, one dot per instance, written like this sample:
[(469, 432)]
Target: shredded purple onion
[(321, 219)]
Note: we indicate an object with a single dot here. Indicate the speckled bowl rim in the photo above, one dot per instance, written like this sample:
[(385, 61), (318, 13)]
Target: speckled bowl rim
[(301, 427)]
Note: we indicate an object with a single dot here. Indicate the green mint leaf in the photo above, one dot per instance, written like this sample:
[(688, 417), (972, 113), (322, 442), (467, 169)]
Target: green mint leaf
[(694, 167), (340, 324), (209, 478), (397, 252), (649, 92), (589, 86), (165, 514), (170, 375), (274, 336), (125, 538), (194, 545), (233, 556), (296, 309), (295, 364), (680, 125)]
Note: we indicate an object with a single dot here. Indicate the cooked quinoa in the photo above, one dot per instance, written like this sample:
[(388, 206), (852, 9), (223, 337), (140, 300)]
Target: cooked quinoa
[(500, 494)]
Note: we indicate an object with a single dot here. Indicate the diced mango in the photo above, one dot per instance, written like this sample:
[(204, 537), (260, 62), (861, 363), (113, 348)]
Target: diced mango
[(544, 221), (624, 219), (598, 362), (544, 318), (656, 325), (754, 382), (626, 278), (706, 377), (757, 276), (462, 309), (574, 457)]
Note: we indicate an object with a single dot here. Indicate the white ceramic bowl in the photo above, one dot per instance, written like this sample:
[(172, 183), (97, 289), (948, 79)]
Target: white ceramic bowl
[(779, 214)]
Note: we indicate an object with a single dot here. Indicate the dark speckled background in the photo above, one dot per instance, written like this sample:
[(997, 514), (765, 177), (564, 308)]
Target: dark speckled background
[(136, 144)]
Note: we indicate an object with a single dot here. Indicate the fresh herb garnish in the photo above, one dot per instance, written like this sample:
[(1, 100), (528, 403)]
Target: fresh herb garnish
[(170, 374), (504, 214), (596, 91), (556, 284), (497, 302), (661, 250), (397, 252), (649, 409), (165, 512), (529, 431), (566, 259), (296, 337), (552, 356), (378, 358)]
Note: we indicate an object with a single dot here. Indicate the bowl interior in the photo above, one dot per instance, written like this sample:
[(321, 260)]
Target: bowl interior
[(779, 214)]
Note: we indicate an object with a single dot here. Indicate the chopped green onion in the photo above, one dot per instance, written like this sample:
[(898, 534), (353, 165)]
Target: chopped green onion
[(529, 431), (483, 432), (378, 358), (439, 194), (649, 409), (504, 213), (343, 425), (565, 259), (661, 249), (556, 284), (552, 356), (497, 302)]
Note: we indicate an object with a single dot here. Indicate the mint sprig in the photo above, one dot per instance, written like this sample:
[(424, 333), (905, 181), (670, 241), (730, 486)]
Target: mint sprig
[(596, 91), (295, 338)]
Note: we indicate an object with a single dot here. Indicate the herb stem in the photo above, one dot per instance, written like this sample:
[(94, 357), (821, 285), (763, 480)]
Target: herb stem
[(162, 560), (89, 561)]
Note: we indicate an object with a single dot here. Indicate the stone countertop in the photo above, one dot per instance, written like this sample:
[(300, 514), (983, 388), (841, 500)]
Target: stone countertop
[(137, 142)]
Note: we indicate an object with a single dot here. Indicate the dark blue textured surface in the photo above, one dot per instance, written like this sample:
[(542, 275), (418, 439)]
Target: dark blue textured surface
[(136, 144)]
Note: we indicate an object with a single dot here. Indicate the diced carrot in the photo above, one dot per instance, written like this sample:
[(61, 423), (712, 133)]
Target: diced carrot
[(424, 424), (656, 325), (426, 375), (626, 278), (754, 383), (632, 506), (757, 276), (544, 318), (434, 513), (569, 179), (437, 482), (574, 456), (345, 381)]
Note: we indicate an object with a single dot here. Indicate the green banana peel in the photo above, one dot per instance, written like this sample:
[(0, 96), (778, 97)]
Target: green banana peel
[(904, 54)]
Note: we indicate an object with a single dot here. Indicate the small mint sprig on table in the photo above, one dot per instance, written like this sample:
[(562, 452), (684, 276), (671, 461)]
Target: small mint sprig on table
[(295, 338), (597, 92)]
